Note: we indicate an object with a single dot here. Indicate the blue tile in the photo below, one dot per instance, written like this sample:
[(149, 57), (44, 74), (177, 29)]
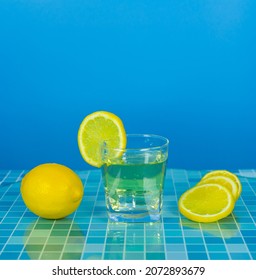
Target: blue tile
[(251, 247), (195, 248), (218, 256), (250, 240), (125, 241), (176, 255), (194, 240), (175, 247), (9, 255), (13, 247), (237, 247), (249, 233), (216, 247), (197, 256), (234, 240), (213, 240), (240, 256), (173, 240)]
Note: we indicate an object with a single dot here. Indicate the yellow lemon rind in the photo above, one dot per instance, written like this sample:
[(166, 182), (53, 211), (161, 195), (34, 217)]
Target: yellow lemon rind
[(207, 218), (52, 191), (217, 180), (229, 175)]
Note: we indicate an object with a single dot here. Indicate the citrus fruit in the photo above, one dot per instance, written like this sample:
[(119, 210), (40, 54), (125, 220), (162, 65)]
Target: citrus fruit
[(206, 203), (96, 130), (229, 175), (223, 181), (51, 191)]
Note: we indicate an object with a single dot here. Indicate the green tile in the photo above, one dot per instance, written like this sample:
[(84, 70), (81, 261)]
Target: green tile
[(135, 233), (64, 221), (113, 256), (31, 247), (33, 255), (228, 226), (40, 233), (114, 247), (115, 239), (71, 256), (155, 256), (76, 239), (134, 256), (50, 256), (154, 240), (154, 248), (134, 247), (61, 226), (43, 226), (75, 233), (135, 240), (59, 232), (53, 248), (207, 226), (56, 240), (45, 221), (73, 248), (37, 240)]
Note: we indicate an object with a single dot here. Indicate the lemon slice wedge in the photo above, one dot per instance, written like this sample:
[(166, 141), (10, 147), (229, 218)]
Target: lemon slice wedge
[(98, 129), (206, 203), (229, 175)]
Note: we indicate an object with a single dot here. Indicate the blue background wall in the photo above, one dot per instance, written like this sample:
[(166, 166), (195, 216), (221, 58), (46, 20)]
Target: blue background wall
[(182, 69)]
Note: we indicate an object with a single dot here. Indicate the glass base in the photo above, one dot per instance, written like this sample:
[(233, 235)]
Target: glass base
[(145, 217)]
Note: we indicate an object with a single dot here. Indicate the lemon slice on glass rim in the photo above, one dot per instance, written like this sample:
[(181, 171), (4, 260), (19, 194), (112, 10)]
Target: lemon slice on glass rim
[(100, 129)]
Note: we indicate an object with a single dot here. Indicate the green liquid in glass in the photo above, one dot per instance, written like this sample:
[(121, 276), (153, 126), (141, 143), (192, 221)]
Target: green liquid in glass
[(134, 189)]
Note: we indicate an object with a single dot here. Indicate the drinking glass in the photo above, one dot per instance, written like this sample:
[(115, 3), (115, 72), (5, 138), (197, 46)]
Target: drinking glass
[(134, 178)]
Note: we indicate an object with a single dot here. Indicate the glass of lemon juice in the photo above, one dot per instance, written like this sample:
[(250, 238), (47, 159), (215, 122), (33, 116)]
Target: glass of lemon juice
[(134, 178)]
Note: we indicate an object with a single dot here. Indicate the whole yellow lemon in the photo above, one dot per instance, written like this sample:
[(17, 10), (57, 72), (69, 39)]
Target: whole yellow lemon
[(52, 191)]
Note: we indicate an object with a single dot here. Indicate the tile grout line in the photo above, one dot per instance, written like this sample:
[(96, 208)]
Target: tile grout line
[(69, 230), (224, 241), (206, 249), (242, 237), (182, 231), (8, 188), (163, 231), (62, 251), (25, 243), (10, 210), (45, 243), (124, 245), (5, 176), (145, 242), (88, 174), (89, 226), (248, 212)]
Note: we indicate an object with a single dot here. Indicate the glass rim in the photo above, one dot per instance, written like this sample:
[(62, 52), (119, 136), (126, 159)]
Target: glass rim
[(145, 135)]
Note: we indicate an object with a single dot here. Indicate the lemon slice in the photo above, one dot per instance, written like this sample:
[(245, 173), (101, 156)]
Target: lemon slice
[(223, 181), (98, 129), (206, 203), (229, 175)]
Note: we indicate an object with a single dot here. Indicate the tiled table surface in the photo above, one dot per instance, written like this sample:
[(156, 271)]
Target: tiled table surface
[(87, 234)]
